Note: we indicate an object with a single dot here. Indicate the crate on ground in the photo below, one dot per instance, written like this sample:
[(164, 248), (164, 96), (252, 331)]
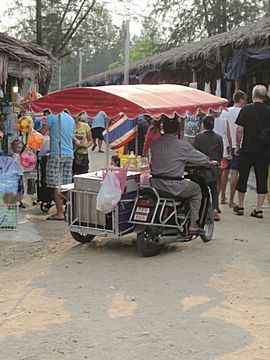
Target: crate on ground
[(9, 216), (120, 173)]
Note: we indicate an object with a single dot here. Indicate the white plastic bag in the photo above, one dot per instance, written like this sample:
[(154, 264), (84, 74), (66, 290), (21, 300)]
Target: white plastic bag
[(109, 194)]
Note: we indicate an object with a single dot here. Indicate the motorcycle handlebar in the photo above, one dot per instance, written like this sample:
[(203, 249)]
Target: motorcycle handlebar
[(195, 166)]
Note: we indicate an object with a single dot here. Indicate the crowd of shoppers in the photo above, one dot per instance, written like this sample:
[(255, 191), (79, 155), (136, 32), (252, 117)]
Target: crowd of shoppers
[(232, 138)]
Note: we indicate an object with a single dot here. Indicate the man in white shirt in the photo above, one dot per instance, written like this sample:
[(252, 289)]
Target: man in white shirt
[(239, 99)]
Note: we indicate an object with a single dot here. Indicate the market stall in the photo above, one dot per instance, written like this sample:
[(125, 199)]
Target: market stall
[(21, 64), (84, 219)]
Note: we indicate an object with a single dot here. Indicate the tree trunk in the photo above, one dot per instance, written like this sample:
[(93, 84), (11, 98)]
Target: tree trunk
[(44, 84), (39, 22), (206, 18), (267, 12), (224, 15)]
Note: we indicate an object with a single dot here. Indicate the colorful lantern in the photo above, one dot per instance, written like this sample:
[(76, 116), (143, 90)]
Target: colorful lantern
[(25, 124), (35, 140), (28, 160)]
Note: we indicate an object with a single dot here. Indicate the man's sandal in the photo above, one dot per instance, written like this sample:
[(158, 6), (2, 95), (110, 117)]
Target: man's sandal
[(238, 210), (257, 214)]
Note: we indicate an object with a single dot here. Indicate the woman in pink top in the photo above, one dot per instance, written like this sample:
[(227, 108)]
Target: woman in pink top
[(153, 133)]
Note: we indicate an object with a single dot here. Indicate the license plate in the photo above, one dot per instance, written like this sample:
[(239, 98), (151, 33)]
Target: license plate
[(141, 213)]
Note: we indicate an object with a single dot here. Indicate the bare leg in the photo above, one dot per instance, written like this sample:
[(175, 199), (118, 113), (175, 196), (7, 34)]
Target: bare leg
[(260, 200), (234, 179), (94, 144), (241, 198), (59, 204), (99, 145), (193, 224), (224, 181)]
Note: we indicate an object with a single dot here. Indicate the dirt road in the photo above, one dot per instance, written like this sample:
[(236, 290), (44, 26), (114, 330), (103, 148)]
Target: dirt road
[(60, 300), (195, 301)]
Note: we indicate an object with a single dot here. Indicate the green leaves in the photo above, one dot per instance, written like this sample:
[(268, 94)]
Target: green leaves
[(185, 21)]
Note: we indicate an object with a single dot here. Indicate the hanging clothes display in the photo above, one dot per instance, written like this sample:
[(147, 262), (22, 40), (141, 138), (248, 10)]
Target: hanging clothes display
[(207, 87), (218, 88)]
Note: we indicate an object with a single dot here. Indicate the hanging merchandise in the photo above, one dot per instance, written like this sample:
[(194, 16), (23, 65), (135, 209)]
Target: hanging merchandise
[(26, 101), (8, 175), (46, 147), (25, 124), (218, 88), (37, 123), (193, 85), (207, 87), (28, 160), (35, 140), (11, 124)]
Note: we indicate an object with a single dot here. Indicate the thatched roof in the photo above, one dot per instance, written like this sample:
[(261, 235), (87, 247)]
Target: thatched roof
[(212, 49), (23, 60)]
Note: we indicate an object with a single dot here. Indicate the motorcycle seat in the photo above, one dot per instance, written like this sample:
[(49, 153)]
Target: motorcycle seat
[(166, 195)]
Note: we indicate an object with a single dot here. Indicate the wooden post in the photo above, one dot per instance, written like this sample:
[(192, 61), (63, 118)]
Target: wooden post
[(237, 85), (60, 76), (193, 75), (127, 45), (228, 89), (80, 68)]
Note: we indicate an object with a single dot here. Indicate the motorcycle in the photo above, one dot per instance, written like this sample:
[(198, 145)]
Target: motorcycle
[(160, 218)]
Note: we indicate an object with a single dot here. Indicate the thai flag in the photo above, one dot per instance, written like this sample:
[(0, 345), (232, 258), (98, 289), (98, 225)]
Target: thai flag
[(121, 131)]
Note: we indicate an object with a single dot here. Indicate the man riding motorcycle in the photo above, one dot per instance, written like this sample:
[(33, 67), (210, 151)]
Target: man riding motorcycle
[(168, 157)]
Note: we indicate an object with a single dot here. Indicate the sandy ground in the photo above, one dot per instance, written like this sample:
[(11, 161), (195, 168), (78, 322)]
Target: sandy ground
[(63, 300)]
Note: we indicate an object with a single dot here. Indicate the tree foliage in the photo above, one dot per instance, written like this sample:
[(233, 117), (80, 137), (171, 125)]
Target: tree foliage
[(183, 21), (66, 26), (143, 45)]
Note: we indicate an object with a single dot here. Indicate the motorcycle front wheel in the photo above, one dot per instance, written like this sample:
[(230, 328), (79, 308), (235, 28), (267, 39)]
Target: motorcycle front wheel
[(146, 243), (209, 226)]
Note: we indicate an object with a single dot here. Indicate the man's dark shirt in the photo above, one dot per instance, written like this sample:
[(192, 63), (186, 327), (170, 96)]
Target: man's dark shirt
[(247, 119)]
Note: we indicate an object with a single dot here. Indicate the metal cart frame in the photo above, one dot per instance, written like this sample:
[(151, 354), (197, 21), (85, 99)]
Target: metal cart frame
[(85, 219)]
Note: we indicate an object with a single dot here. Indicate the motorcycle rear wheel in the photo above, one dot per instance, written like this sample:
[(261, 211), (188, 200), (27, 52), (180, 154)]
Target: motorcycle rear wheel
[(209, 226), (146, 244)]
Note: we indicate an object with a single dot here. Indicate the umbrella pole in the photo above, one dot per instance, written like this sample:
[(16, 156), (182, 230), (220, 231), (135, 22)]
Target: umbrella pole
[(107, 143), (59, 153), (137, 137)]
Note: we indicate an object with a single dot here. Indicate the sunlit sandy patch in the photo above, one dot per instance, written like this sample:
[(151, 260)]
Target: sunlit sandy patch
[(193, 301), (122, 306), (101, 241), (247, 306), (24, 221), (27, 200), (36, 217), (23, 308), (179, 247), (127, 241)]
